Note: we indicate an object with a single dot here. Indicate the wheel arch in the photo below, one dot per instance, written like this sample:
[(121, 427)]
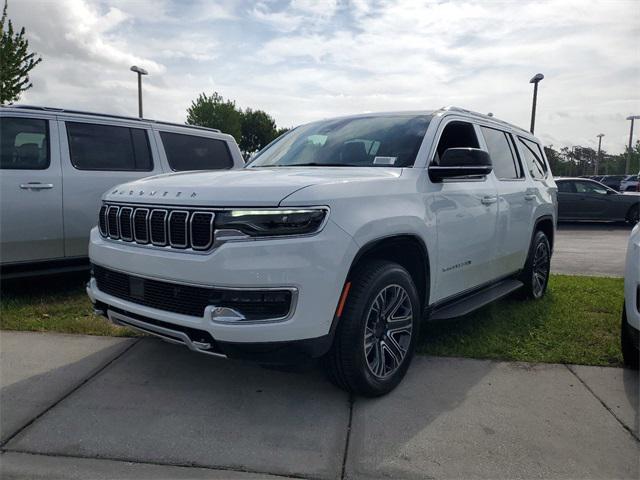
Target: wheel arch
[(545, 224)]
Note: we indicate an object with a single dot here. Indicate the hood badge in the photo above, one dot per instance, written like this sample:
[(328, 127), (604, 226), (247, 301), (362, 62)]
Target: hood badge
[(151, 194)]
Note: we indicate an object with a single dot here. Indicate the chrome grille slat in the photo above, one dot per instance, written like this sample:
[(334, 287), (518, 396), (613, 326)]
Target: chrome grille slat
[(124, 223), (180, 228), (112, 222), (158, 227)]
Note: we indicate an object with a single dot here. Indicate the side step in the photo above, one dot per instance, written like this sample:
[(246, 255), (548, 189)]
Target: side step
[(468, 304)]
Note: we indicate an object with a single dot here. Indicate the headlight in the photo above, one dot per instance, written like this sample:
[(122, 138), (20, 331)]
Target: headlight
[(267, 223)]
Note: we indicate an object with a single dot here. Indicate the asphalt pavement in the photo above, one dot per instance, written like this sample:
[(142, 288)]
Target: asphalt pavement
[(596, 249), (93, 407)]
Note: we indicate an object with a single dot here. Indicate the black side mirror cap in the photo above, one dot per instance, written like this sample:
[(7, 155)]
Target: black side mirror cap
[(461, 162)]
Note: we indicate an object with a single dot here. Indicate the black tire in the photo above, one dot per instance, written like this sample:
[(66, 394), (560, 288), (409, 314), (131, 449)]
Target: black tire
[(633, 215), (372, 287), (535, 275), (630, 354)]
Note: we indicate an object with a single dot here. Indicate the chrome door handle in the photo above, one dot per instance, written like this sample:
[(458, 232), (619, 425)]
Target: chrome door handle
[(36, 186), (489, 200), (530, 196)]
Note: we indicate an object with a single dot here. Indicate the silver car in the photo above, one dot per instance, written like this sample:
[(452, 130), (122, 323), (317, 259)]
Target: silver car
[(56, 164)]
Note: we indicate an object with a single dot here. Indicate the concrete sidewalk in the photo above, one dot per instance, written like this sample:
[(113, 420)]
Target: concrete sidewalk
[(90, 407)]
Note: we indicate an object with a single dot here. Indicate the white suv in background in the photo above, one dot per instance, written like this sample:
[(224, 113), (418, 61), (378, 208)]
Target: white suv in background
[(335, 241), (55, 165), (630, 333)]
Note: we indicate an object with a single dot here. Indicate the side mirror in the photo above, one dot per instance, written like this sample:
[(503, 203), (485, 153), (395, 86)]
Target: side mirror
[(461, 162)]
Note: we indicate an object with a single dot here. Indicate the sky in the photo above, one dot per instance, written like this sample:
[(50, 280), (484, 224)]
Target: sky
[(302, 60)]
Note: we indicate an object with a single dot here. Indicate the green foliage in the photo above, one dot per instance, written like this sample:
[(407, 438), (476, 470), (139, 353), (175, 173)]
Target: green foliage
[(214, 111), (15, 61), (577, 161), (252, 129)]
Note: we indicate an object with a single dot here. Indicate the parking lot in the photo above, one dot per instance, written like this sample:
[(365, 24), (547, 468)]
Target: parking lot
[(79, 407), (590, 249)]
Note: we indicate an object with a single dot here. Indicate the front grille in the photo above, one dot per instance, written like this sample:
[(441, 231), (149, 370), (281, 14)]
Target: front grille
[(191, 300), (162, 227)]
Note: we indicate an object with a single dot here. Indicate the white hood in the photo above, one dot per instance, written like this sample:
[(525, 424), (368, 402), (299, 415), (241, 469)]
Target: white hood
[(245, 187)]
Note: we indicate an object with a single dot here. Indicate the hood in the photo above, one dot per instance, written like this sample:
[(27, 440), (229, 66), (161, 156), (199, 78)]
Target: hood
[(244, 187)]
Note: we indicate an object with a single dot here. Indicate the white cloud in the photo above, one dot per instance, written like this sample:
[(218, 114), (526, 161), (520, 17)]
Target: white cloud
[(302, 59)]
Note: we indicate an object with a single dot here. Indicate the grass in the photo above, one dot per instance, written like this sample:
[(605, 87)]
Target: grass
[(578, 321)]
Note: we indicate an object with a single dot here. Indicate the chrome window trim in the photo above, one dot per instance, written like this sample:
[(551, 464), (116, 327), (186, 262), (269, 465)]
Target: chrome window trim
[(122, 237), (211, 229), (164, 229), (186, 232), (146, 224), (117, 234)]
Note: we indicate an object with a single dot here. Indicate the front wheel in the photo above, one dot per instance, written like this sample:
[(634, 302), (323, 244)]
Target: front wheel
[(633, 215), (535, 275), (376, 335), (630, 353)]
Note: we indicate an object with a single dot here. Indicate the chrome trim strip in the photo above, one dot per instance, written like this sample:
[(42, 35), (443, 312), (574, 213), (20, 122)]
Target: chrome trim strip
[(117, 234), (102, 217), (186, 234), (146, 225), (164, 227), (211, 221), (173, 336), (122, 209)]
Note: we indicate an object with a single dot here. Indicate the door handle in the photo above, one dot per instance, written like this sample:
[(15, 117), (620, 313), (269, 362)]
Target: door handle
[(36, 186), (530, 196), (489, 200)]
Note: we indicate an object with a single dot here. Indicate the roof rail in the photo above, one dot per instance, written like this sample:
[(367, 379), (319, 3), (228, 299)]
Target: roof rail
[(452, 108), (107, 115)]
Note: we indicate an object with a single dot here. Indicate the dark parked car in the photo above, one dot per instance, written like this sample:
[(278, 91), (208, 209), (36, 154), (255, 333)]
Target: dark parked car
[(612, 181), (583, 199)]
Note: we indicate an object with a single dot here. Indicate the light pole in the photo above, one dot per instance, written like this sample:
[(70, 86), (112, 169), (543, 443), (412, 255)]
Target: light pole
[(140, 72), (535, 80), (627, 165), (600, 135)]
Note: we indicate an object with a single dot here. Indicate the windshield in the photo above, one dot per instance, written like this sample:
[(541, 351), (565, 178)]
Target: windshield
[(375, 141)]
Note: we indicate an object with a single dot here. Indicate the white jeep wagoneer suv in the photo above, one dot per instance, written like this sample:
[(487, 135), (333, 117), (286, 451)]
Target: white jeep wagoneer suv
[(335, 241)]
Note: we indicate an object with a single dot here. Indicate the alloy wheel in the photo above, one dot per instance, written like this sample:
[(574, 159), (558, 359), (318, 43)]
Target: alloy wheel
[(388, 331), (541, 267)]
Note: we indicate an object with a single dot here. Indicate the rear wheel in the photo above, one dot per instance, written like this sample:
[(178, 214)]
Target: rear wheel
[(633, 215), (535, 275), (376, 336)]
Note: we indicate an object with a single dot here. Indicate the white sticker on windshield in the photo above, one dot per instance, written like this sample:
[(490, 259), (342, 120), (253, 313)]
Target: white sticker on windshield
[(384, 160)]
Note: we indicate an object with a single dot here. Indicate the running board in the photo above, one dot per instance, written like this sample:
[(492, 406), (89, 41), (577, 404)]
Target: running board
[(476, 300)]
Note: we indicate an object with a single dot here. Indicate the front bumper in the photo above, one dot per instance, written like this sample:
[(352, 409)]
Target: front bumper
[(315, 266)]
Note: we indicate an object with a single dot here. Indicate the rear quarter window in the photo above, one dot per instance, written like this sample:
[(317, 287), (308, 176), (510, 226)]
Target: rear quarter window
[(191, 152), (533, 158)]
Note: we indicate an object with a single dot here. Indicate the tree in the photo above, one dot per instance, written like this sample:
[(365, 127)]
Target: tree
[(215, 112), (16, 61), (258, 129)]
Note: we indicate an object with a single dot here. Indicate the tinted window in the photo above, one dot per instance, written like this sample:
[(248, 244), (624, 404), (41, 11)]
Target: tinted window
[(504, 163), (24, 143), (533, 158), (590, 187), (456, 135), (374, 141), (188, 152), (105, 147), (566, 187)]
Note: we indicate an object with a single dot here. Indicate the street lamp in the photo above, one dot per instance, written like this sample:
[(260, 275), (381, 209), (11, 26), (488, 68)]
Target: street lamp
[(627, 165), (535, 80), (140, 72), (600, 135)]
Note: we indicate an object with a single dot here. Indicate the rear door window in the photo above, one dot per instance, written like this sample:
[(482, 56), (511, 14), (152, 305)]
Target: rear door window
[(505, 165), (533, 158), (106, 147), (191, 152), (24, 143)]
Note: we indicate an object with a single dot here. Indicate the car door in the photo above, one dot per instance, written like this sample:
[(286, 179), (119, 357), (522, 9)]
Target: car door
[(568, 200), (97, 157), (30, 190), (516, 201), (466, 211), (594, 201)]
